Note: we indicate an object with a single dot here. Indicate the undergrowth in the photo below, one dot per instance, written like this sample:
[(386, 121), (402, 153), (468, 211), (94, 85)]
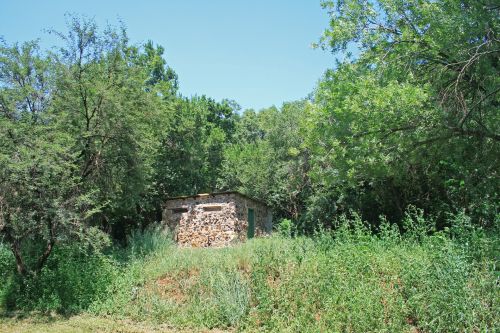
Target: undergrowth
[(347, 280)]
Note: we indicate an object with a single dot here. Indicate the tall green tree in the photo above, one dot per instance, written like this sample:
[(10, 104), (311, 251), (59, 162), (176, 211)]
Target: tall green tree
[(452, 46), (192, 146), (80, 132), (110, 98), (268, 159), (42, 202), (158, 73), (413, 118)]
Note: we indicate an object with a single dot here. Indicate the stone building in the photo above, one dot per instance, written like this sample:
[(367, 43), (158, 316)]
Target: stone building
[(216, 219)]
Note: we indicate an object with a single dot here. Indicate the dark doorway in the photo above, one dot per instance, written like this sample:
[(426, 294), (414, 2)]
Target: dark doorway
[(251, 223)]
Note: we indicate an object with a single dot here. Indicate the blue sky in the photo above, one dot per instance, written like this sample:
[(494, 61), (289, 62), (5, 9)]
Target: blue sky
[(255, 52)]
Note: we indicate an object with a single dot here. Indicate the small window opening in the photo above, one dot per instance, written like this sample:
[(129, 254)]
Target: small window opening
[(212, 208), (179, 210)]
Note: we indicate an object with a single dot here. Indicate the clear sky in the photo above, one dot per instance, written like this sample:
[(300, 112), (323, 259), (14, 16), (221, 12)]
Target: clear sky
[(257, 52)]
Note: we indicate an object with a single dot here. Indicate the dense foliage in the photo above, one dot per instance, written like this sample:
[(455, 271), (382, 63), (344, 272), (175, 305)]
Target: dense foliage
[(413, 119), (403, 134)]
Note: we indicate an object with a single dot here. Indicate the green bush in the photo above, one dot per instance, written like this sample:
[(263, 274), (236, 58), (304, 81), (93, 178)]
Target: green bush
[(285, 227), (6, 262), (143, 246), (445, 293), (143, 242), (228, 296), (6, 270), (71, 280)]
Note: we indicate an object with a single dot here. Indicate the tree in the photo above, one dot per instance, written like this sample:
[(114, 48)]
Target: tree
[(419, 39), (267, 158), (158, 73), (80, 131), (41, 200), (111, 99), (192, 146), (413, 118)]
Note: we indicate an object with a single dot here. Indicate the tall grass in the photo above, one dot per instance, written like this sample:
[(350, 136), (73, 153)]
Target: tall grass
[(74, 277), (347, 280)]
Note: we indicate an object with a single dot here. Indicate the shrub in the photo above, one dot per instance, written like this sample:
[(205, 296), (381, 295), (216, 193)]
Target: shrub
[(444, 292), (416, 226), (71, 280), (285, 227), (229, 295), (142, 242), (6, 270)]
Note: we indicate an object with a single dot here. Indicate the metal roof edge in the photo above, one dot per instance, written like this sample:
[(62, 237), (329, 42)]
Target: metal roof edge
[(216, 193)]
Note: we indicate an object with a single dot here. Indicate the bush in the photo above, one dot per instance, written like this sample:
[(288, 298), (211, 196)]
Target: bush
[(6, 270), (6, 262), (445, 293), (285, 227), (142, 242), (71, 280), (148, 245)]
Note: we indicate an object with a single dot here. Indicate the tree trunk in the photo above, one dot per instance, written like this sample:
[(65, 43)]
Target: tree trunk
[(43, 258), (16, 250)]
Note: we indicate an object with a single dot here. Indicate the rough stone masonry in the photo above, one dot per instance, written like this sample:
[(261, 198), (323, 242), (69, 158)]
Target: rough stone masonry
[(216, 219)]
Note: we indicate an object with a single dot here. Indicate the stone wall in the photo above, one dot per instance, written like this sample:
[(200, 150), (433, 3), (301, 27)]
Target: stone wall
[(214, 219), (263, 217)]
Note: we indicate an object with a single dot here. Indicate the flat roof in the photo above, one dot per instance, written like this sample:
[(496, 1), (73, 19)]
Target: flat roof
[(215, 193)]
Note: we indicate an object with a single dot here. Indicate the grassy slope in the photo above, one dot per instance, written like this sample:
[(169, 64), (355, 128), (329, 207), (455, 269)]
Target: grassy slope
[(357, 283)]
